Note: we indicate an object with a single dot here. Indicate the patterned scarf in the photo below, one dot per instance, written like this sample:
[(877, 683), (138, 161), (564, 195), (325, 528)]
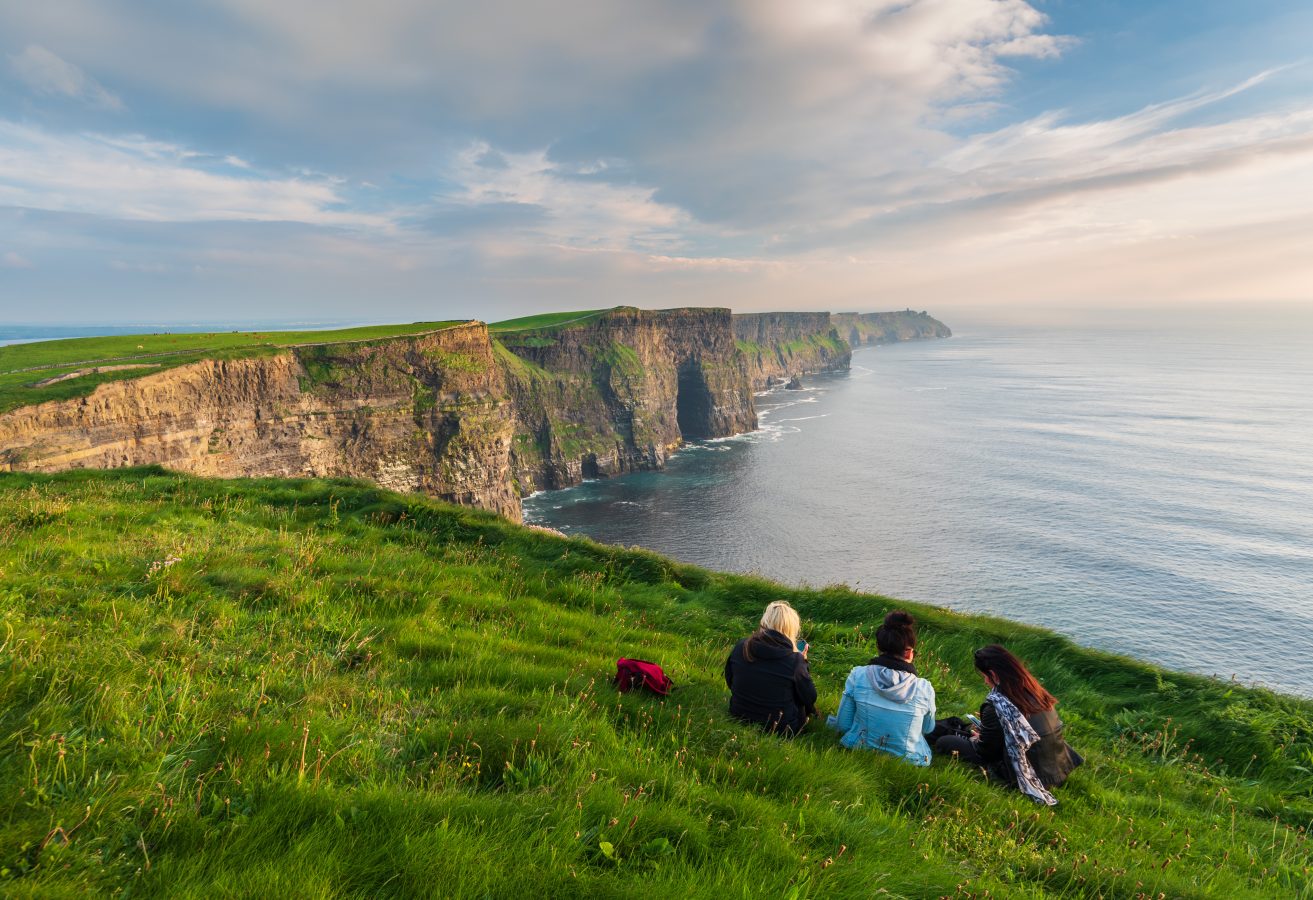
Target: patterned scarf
[(1018, 735)]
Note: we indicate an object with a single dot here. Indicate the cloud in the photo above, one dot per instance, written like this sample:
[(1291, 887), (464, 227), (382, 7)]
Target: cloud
[(48, 75), (133, 178), (12, 260), (152, 268), (750, 151), (1009, 184), (1048, 137), (561, 203), (741, 112)]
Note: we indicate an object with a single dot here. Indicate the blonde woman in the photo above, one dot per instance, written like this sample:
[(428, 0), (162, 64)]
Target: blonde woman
[(767, 675)]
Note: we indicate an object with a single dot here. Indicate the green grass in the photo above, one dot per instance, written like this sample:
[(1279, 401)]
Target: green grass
[(322, 689), (518, 366), (828, 342), (547, 321), (23, 365)]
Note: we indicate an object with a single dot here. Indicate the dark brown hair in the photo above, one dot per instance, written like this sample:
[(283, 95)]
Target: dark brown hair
[(898, 633), (1014, 680)]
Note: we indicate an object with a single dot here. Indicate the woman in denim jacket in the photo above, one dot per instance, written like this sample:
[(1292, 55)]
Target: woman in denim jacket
[(885, 705)]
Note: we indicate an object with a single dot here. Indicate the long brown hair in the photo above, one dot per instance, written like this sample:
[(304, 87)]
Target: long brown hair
[(1014, 680)]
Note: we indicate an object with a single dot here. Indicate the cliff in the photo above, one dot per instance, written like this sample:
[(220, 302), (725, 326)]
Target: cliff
[(424, 413), (456, 411), (621, 390), (450, 413), (862, 329), (779, 346)]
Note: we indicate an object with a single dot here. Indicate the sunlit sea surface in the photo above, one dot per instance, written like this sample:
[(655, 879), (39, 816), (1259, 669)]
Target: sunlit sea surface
[(1143, 489)]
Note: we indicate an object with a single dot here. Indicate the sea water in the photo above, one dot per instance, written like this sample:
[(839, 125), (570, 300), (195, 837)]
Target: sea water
[(1145, 487)]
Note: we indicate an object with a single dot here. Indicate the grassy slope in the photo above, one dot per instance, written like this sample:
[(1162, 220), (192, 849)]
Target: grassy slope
[(315, 688), (547, 321), (21, 365)]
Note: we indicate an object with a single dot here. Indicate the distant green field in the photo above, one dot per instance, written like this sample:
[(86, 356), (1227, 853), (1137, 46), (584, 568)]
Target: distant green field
[(23, 366), (548, 320)]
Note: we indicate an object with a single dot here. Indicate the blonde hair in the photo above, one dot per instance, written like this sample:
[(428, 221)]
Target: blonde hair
[(783, 618)]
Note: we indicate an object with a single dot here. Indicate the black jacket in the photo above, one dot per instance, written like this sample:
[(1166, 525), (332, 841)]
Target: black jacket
[(775, 689), (1050, 756)]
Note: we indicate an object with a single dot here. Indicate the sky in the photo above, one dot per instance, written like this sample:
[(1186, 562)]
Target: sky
[(399, 160)]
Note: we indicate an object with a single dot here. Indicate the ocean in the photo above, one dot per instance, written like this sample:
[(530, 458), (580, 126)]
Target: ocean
[(1144, 486)]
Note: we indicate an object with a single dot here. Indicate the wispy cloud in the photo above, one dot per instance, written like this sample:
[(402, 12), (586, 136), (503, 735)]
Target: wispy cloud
[(563, 203), (49, 75), (12, 260), (146, 267), (1106, 175), (1050, 138), (134, 178)]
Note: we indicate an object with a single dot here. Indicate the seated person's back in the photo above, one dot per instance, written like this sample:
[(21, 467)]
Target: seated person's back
[(1020, 741), (885, 705), (769, 681)]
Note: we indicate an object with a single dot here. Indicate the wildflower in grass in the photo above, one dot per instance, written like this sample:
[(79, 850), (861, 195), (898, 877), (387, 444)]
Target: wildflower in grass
[(160, 565)]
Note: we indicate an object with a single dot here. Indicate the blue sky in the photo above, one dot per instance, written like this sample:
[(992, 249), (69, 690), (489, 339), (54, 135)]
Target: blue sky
[(408, 159)]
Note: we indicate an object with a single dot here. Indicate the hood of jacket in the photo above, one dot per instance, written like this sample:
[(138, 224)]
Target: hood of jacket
[(892, 684), (770, 644)]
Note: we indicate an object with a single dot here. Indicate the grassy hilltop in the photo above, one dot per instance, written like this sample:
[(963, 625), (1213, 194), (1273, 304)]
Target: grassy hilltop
[(68, 368), (59, 370), (322, 689)]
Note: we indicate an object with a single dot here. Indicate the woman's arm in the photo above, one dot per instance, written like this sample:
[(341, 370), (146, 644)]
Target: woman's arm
[(803, 686), (847, 712), (928, 721), (989, 743)]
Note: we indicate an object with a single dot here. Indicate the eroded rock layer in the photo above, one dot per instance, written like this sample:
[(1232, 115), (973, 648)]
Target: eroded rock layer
[(621, 391), (426, 413), (778, 347)]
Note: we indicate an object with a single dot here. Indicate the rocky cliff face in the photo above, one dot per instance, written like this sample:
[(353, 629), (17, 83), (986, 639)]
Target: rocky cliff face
[(781, 346), (861, 329), (620, 392), (426, 413), (458, 413), (452, 413)]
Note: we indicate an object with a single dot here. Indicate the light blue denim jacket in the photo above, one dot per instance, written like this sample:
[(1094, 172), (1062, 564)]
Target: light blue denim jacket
[(884, 709)]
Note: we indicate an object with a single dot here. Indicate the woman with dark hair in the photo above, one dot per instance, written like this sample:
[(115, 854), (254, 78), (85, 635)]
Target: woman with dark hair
[(1020, 741), (767, 675), (885, 705)]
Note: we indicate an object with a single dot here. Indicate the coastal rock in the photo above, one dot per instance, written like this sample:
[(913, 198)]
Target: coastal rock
[(864, 329), (424, 413), (621, 391), (777, 346)]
